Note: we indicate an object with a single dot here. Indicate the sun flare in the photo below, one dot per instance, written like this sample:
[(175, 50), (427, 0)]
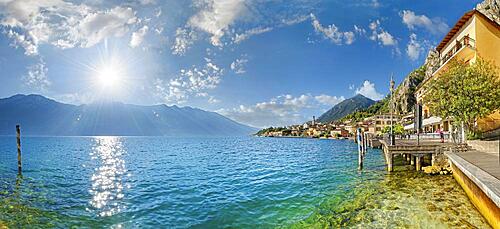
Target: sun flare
[(108, 76)]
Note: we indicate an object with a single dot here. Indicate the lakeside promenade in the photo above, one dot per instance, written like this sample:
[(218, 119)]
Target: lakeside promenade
[(477, 171)]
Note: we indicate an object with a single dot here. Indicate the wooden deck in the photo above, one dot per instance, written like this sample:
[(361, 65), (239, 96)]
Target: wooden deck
[(412, 151)]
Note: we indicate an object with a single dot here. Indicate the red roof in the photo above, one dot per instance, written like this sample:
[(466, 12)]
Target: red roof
[(459, 25)]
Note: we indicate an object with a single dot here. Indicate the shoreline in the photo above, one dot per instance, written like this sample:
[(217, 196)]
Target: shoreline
[(306, 137)]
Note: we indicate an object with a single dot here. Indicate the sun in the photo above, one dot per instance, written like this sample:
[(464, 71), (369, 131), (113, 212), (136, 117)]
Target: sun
[(108, 76)]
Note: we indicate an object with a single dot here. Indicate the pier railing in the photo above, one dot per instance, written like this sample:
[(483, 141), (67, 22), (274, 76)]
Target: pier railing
[(447, 136)]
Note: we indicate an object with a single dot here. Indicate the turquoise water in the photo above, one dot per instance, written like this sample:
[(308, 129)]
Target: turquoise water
[(232, 182)]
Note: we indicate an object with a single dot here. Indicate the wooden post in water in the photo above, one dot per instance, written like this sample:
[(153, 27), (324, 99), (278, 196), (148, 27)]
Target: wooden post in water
[(390, 162), (365, 137), (19, 164), (418, 162), (360, 140)]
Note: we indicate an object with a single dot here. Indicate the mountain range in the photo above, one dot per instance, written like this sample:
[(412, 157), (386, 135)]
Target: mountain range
[(39, 115), (346, 107)]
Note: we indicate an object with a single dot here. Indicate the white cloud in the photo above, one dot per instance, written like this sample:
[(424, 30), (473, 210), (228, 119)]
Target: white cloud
[(332, 33), (25, 41), (295, 20), (383, 37), (158, 12), (359, 30), (251, 32), (368, 90), (329, 100), (216, 16), (213, 100), (99, 25), (386, 38), (279, 111), (147, 2), (62, 24), (183, 40), (37, 76), (238, 66), (416, 47), (435, 25), (379, 34), (138, 36), (239, 37), (195, 81)]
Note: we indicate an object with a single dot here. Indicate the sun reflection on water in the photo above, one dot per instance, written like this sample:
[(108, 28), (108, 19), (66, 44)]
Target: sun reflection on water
[(108, 179)]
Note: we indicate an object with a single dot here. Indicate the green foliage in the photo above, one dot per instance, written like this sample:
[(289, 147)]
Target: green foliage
[(465, 92), (398, 129), (270, 129)]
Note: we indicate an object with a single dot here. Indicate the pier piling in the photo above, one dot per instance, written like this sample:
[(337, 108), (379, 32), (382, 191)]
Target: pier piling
[(361, 148), (19, 164), (418, 163)]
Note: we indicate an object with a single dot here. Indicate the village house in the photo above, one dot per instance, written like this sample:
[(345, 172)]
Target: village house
[(473, 36), (378, 122)]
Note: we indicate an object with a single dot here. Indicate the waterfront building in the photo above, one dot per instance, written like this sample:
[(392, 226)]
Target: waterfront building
[(339, 132), (474, 35), (378, 122)]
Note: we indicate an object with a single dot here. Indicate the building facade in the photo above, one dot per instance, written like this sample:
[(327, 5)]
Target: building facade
[(473, 36)]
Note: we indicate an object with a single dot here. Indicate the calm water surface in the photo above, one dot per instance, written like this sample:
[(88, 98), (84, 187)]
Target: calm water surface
[(217, 182)]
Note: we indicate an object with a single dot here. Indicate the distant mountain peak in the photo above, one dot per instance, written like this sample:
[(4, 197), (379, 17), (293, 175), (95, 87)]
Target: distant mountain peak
[(346, 107), (39, 115), (357, 96)]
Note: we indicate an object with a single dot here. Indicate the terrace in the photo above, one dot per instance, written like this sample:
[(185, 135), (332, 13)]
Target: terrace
[(464, 47)]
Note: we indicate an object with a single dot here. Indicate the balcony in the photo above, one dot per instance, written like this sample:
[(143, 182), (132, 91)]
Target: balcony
[(465, 45)]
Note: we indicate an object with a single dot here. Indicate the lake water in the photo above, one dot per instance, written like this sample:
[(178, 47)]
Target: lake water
[(236, 182)]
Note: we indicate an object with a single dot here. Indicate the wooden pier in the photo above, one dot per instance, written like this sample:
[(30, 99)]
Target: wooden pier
[(411, 151)]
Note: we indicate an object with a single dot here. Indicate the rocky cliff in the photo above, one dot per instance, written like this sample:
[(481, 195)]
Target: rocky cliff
[(491, 9), (404, 96)]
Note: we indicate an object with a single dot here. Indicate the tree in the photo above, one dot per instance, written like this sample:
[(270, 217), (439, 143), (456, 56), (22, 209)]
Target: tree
[(397, 129), (465, 92)]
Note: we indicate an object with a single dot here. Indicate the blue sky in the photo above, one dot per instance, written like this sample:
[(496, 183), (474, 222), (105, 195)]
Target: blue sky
[(258, 62)]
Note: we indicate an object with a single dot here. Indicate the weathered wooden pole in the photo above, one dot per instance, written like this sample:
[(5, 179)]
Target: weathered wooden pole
[(19, 164), (360, 148), (365, 137), (418, 162), (390, 162)]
